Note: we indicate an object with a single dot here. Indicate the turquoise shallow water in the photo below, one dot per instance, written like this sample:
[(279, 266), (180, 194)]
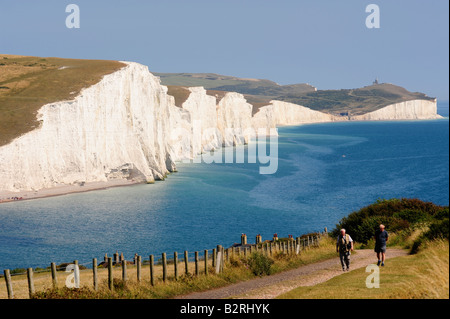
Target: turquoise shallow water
[(325, 172)]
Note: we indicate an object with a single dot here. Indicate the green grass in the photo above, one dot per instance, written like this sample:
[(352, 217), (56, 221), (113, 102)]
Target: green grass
[(354, 101), (424, 275), (27, 83), (257, 92), (261, 92)]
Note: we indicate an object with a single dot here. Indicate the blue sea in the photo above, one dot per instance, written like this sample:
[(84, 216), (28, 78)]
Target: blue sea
[(325, 171)]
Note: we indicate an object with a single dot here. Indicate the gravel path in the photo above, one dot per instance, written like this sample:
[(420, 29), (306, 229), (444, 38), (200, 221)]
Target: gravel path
[(269, 287)]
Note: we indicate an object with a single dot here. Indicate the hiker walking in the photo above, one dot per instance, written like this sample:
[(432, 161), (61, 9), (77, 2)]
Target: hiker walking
[(381, 237), (344, 246)]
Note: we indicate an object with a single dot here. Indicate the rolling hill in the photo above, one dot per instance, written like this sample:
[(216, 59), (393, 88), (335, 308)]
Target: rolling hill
[(260, 92)]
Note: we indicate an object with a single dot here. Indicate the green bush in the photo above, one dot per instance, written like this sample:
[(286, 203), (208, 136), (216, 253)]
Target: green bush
[(18, 271), (412, 216), (442, 214), (395, 214), (438, 229), (260, 264)]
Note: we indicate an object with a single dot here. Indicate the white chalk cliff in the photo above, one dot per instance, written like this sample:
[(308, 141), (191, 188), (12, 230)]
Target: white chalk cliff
[(284, 113), (127, 127), (408, 110)]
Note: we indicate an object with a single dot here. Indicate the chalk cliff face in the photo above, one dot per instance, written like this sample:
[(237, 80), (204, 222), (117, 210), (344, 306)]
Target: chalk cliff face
[(409, 110), (128, 127), (117, 128), (284, 113), (202, 124)]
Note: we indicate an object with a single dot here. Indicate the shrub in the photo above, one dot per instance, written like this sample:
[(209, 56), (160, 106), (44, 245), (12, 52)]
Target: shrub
[(438, 230), (442, 214), (18, 271), (66, 293), (412, 215), (260, 264), (395, 214)]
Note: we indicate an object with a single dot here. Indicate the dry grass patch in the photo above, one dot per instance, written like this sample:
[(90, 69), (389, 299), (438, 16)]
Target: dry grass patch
[(27, 83), (421, 276)]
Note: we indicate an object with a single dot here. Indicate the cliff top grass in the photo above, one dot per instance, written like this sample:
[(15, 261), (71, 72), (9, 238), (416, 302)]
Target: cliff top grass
[(420, 276), (27, 83), (180, 93), (260, 92), (354, 101)]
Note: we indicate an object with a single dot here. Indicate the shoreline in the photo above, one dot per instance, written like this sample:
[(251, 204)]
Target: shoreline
[(100, 185), (62, 190)]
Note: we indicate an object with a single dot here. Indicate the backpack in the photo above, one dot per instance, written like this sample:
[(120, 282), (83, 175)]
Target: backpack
[(344, 244)]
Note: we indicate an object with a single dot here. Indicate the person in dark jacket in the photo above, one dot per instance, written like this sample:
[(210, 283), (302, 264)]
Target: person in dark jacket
[(381, 237)]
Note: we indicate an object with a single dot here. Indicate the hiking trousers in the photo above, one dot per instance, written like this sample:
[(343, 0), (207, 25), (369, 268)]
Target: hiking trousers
[(345, 259)]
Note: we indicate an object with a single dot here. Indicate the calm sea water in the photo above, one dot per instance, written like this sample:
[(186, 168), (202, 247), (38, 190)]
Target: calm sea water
[(325, 172)]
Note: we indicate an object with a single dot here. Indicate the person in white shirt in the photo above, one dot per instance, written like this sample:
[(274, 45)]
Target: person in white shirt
[(344, 246)]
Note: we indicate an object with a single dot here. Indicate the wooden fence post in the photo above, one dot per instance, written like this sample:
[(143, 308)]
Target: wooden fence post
[(124, 271), (222, 264), (175, 265), (54, 278), (164, 262), (206, 261), (94, 274), (9, 288), (110, 274), (30, 282), (152, 269), (138, 268), (214, 257), (197, 270), (186, 262), (219, 262)]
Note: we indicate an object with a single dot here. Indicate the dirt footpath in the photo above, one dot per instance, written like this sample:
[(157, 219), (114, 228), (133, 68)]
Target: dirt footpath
[(269, 287)]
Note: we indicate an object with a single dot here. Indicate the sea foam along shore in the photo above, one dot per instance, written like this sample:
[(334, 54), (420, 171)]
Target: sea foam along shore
[(126, 129)]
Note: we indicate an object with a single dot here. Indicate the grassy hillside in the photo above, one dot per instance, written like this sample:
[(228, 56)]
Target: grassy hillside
[(27, 83), (354, 101), (257, 92), (419, 226), (424, 275), (404, 217), (261, 92), (238, 269)]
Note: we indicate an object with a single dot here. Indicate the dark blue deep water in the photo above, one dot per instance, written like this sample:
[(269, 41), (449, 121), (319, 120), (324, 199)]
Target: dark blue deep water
[(325, 172)]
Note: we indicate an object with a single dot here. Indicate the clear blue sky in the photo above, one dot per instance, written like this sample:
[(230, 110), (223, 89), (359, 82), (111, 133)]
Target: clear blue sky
[(325, 43)]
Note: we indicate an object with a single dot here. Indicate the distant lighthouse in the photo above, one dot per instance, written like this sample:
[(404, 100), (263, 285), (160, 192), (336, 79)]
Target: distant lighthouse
[(376, 81)]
